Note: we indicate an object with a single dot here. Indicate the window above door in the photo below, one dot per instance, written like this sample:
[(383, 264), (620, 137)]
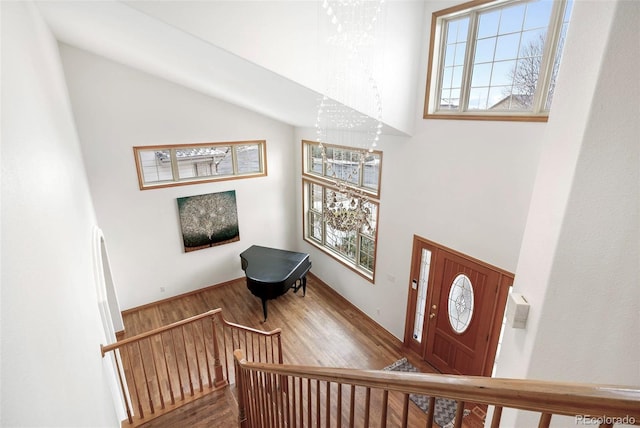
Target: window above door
[(495, 60)]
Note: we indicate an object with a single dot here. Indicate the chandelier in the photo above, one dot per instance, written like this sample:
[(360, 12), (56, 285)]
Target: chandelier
[(351, 82)]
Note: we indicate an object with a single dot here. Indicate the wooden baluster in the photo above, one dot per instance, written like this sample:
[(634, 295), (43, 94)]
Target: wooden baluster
[(385, 402), (317, 403), (367, 406), (251, 398), (264, 414), (241, 388), (405, 410), (255, 409), (218, 377), (291, 398), (284, 382), (339, 406), (497, 415), (195, 353), (328, 405), (146, 380), (277, 382), (155, 369), (431, 411), (459, 414), (273, 355), (166, 366), (224, 350), (186, 359), (122, 387), (302, 403), (175, 357), (352, 404), (206, 353), (135, 384), (545, 420), (268, 392)]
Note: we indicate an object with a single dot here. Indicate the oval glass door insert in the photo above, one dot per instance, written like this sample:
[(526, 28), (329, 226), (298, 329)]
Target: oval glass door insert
[(460, 307)]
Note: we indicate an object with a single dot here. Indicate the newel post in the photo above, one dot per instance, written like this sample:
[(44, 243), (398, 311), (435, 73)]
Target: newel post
[(218, 377), (240, 388)]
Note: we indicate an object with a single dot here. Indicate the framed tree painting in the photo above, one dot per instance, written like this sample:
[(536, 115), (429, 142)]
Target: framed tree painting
[(208, 220)]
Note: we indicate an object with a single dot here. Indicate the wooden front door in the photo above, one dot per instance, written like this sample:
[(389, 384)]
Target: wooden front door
[(455, 309)]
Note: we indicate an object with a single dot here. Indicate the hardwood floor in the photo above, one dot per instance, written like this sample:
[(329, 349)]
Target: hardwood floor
[(321, 328)]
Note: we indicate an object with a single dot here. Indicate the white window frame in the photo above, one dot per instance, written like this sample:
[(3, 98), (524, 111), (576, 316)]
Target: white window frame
[(319, 237), (173, 169), (472, 9)]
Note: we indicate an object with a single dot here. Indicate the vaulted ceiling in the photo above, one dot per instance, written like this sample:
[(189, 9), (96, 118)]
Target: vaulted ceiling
[(261, 55)]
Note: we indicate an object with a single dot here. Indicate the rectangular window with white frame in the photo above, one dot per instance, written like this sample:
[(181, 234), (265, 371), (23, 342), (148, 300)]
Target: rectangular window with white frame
[(327, 184), (495, 60)]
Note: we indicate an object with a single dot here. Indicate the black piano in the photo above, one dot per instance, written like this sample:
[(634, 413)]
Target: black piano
[(271, 272)]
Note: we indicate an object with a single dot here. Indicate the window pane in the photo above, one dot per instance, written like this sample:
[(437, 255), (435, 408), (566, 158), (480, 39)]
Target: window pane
[(481, 75), (485, 50), (488, 24), (370, 228), (502, 73), (507, 47), (371, 173), (512, 19), (248, 157), (315, 226), (315, 153), (367, 250), (155, 165), (558, 57), (455, 51), (343, 164), (538, 14), (315, 194), (342, 242), (478, 98), (204, 161)]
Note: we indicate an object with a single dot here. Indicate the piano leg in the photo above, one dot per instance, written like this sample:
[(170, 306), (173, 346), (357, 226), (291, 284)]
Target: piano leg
[(301, 282), (264, 309)]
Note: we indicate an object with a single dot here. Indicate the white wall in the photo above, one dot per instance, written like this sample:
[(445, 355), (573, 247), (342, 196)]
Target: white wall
[(52, 371), (117, 108), (579, 264)]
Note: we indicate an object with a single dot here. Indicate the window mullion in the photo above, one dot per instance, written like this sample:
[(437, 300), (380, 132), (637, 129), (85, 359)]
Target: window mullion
[(234, 160), (468, 62), (548, 56), (174, 165)]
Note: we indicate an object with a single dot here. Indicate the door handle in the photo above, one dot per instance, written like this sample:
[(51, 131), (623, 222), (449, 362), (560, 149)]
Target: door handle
[(432, 316)]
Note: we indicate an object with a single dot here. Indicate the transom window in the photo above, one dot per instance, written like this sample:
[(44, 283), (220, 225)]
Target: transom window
[(174, 165), (354, 248), (496, 59)]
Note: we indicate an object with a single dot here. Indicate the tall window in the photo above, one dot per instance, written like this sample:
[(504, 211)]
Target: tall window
[(495, 59), (354, 248), (174, 165)]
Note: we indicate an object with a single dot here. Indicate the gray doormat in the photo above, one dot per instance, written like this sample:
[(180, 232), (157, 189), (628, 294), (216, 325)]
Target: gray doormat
[(445, 410)]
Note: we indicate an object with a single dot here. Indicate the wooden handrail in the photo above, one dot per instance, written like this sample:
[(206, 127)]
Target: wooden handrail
[(169, 366), (546, 397), (106, 348)]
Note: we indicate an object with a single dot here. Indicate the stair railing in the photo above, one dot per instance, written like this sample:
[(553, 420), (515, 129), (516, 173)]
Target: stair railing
[(275, 395), (170, 366)]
